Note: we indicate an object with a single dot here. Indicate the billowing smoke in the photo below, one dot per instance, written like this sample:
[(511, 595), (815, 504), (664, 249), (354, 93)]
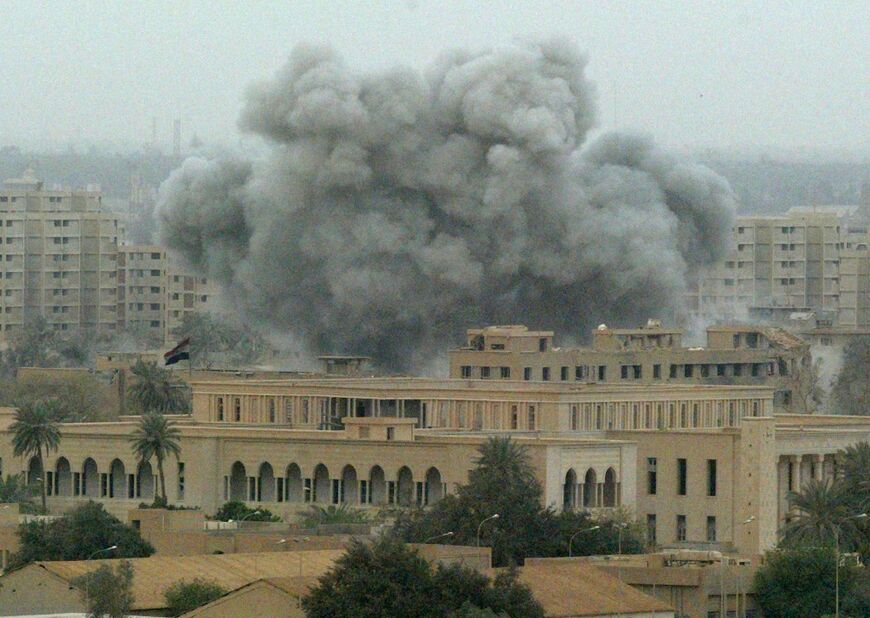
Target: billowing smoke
[(394, 210)]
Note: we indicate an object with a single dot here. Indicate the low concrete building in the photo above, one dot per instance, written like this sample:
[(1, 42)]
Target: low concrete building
[(47, 587), (696, 584), (275, 596), (575, 589)]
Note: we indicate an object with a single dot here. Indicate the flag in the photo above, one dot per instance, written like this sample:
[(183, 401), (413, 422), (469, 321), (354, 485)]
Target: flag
[(178, 353)]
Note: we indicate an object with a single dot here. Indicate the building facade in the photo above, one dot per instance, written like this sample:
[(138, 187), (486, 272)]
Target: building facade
[(57, 257), (747, 355), (692, 462), (63, 255), (154, 297), (809, 258)]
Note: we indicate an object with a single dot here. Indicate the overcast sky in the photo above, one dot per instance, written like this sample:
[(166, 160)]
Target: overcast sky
[(726, 74)]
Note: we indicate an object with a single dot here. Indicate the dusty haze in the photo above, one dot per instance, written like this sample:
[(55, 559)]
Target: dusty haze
[(395, 209)]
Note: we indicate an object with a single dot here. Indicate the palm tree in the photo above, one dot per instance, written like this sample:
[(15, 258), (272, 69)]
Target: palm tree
[(35, 430), (855, 467), (156, 437), (823, 512), (153, 389)]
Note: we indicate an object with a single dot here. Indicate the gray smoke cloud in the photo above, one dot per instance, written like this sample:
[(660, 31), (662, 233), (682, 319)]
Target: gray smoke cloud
[(394, 210)]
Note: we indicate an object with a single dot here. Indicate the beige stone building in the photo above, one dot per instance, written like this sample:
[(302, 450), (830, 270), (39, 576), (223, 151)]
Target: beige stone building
[(808, 258), (57, 257), (690, 461), (740, 355), (62, 254), (154, 296)]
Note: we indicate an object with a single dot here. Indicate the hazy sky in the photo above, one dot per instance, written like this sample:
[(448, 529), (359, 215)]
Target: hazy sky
[(728, 74)]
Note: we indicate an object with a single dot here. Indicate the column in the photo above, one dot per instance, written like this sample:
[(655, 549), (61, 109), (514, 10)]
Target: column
[(795, 461), (818, 466)]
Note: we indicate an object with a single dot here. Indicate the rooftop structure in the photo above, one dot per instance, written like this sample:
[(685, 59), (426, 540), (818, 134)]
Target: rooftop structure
[(651, 354)]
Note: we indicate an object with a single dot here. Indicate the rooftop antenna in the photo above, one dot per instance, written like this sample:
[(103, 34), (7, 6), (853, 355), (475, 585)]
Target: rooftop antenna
[(176, 138)]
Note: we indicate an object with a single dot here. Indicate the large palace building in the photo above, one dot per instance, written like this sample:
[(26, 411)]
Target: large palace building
[(689, 460)]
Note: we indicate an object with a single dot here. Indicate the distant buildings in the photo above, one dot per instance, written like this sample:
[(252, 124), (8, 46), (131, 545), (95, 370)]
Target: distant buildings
[(807, 259), (63, 255)]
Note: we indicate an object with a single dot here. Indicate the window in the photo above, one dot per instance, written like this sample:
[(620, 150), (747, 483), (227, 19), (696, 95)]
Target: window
[(484, 372), (602, 373), (527, 373), (515, 417), (711, 529), (681, 527), (237, 409), (651, 528), (563, 374), (681, 477), (673, 371), (391, 433), (220, 408), (657, 372), (580, 372), (505, 373), (623, 372), (711, 477), (651, 475), (542, 344), (180, 480), (271, 410), (545, 374), (574, 418), (688, 370), (155, 273), (531, 418), (496, 346), (465, 371)]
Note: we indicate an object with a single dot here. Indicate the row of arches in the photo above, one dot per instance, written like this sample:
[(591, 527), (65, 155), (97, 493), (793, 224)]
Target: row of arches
[(63, 481), (590, 493), (320, 486)]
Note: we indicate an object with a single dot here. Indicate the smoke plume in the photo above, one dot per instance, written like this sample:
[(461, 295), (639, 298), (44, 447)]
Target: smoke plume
[(394, 210)]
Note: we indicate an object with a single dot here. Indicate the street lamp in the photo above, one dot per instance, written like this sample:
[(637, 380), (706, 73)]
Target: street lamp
[(100, 551), (480, 525), (837, 565), (571, 540), (723, 598), (439, 536)]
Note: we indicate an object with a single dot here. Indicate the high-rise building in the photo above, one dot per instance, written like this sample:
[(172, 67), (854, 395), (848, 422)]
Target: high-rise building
[(63, 255), (154, 296), (807, 259), (58, 251)]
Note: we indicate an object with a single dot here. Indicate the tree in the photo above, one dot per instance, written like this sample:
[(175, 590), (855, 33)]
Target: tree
[(34, 432), (212, 338), (239, 511), (107, 592), (32, 346), (388, 579), (808, 385), (155, 389), (15, 491), (183, 596), (504, 483), (156, 437), (822, 513), (851, 391), (341, 514), (855, 468), (77, 536), (799, 583), (78, 396)]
